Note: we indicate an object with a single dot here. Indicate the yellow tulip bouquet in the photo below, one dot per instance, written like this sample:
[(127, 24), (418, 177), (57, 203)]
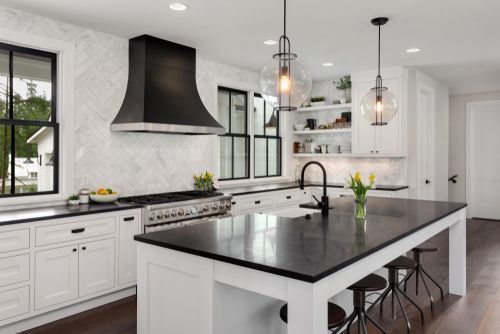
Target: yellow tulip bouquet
[(204, 181), (360, 189)]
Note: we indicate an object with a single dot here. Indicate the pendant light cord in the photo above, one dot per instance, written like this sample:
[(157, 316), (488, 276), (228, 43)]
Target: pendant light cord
[(284, 18), (378, 50)]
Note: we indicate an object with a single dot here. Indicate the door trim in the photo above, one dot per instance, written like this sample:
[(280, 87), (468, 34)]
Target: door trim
[(468, 150)]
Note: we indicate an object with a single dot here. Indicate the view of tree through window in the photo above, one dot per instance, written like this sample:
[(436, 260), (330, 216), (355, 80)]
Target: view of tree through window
[(28, 127)]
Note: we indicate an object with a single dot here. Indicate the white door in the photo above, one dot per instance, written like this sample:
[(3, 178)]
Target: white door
[(129, 226), (56, 276), (97, 266), (387, 142), (364, 132), (426, 183), (483, 159)]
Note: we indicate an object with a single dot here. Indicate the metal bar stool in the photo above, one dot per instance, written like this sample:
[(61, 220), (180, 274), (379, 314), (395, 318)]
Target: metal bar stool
[(336, 315), (371, 282), (419, 272), (393, 267)]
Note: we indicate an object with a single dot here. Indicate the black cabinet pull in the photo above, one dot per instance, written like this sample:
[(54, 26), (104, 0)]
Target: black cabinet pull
[(127, 219), (427, 181), (78, 230), (371, 151), (233, 203), (376, 151), (74, 249), (257, 202), (84, 248), (288, 197)]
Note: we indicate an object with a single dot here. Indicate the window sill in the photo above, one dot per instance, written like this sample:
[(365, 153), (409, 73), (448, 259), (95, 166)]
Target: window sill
[(249, 182), (11, 203)]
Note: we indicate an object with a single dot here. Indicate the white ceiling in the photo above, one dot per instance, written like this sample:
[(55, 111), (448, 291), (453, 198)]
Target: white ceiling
[(460, 39)]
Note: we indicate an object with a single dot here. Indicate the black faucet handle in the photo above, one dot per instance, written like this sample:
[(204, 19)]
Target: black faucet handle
[(320, 204)]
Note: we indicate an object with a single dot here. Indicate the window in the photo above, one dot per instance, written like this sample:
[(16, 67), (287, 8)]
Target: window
[(235, 143), (28, 125), (236, 156), (267, 140)]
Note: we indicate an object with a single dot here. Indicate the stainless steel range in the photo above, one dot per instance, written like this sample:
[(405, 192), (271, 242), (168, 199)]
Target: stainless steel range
[(178, 209)]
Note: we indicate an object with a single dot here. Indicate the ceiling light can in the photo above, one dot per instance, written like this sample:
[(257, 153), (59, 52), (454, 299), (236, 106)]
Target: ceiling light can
[(177, 6)]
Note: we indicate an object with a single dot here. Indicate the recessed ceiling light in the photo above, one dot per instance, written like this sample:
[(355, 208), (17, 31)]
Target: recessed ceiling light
[(270, 42), (177, 6), (328, 64), (412, 50)]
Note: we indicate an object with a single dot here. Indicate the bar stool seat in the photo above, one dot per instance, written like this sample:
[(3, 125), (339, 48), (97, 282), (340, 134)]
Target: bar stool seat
[(371, 282), (336, 315), (401, 263)]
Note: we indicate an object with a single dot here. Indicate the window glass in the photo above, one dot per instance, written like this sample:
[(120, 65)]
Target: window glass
[(260, 157), (238, 112), (5, 175), (226, 157), (240, 157), (273, 162), (258, 115), (223, 107)]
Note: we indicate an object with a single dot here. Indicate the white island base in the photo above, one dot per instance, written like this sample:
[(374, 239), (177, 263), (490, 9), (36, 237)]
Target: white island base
[(180, 293)]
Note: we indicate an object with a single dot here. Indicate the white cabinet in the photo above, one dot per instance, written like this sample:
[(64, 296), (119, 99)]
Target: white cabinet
[(96, 267), (56, 276), (14, 302), (129, 226), (14, 269), (386, 140), (268, 201)]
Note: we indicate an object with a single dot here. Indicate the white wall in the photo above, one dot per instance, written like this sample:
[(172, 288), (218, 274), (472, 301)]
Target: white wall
[(131, 163), (457, 158)]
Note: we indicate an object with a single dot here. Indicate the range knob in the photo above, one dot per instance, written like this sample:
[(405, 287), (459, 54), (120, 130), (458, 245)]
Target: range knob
[(221, 206), (215, 206), (159, 215), (173, 214), (166, 214), (180, 212), (151, 217), (206, 208), (228, 205), (193, 210)]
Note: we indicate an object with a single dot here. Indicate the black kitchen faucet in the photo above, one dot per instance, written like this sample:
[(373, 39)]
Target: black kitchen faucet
[(323, 204)]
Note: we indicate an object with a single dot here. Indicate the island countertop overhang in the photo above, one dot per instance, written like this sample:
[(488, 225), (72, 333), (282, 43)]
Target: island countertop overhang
[(300, 248)]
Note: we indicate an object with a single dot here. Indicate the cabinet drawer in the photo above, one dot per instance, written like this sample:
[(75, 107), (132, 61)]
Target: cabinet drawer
[(289, 198), (14, 302), (255, 203), (48, 235), (14, 240), (14, 269)]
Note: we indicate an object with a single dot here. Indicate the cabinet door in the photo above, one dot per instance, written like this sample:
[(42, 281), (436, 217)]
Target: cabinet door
[(127, 259), (364, 132), (96, 266), (388, 138), (56, 276)]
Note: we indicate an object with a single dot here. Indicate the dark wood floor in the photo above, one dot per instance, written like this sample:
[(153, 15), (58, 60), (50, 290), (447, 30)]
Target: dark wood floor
[(477, 312)]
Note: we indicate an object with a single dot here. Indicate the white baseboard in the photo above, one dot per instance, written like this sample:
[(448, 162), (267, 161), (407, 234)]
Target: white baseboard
[(66, 311)]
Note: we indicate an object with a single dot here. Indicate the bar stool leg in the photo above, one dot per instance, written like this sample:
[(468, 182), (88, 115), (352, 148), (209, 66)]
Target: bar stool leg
[(428, 293), (374, 323), (405, 280), (413, 303), (439, 286), (408, 326)]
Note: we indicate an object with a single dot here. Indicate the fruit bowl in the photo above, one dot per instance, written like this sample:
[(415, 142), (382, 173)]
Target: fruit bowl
[(104, 198)]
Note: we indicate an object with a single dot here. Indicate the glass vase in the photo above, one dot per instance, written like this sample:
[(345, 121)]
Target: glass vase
[(360, 209)]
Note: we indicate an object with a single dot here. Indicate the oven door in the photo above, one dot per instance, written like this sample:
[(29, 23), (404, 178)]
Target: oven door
[(169, 226), (204, 220)]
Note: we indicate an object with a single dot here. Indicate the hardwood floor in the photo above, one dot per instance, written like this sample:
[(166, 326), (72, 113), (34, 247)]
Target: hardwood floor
[(477, 312)]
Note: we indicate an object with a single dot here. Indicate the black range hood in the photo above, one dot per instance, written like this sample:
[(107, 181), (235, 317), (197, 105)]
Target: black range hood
[(162, 95)]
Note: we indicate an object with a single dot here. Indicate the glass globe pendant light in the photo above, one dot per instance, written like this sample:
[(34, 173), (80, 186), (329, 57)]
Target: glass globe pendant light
[(379, 105), (284, 82)]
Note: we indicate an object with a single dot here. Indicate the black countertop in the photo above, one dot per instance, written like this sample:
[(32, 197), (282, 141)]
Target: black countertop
[(60, 211), (253, 189), (303, 249)]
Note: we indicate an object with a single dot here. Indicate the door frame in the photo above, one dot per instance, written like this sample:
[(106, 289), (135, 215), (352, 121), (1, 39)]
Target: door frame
[(426, 129), (468, 150)]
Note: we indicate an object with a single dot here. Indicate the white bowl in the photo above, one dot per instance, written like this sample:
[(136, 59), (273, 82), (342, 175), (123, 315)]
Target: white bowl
[(104, 198), (299, 127)]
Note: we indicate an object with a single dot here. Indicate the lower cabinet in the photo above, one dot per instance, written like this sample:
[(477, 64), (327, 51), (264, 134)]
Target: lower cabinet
[(66, 273), (14, 302), (127, 262)]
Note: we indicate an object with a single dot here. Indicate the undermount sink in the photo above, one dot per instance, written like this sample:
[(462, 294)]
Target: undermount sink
[(294, 212)]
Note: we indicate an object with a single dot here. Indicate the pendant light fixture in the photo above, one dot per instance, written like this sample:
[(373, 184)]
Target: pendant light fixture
[(273, 121), (379, 105), (284, 81)]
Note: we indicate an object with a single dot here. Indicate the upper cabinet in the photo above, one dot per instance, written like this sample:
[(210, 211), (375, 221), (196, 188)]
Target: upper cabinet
[(388, 140)]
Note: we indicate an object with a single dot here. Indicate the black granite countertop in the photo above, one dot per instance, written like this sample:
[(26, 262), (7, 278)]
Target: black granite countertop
[(253, 189), (300, 248), (60, 211)]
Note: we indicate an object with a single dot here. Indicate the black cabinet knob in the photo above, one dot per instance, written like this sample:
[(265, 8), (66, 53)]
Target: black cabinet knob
[(84, 248), (74, 249), (427, 181)]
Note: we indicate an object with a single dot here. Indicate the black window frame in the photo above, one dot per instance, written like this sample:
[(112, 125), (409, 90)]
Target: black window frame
[(231, 135), (267, 137), (12, 122)]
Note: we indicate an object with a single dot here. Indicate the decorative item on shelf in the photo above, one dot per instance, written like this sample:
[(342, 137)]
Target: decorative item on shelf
[(344, 84), (301, 148), (379, 105), (324, 148), (296, 146), (346, 115), (299, 127), (74, 199), (336, 102), (311, 123), (317, 149), (284, 82), (360, 189), (84, 195), (204, 181), (104, 195), (318, 101)]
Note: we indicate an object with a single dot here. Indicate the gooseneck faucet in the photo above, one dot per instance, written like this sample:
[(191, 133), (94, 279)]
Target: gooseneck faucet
[(324, 205)]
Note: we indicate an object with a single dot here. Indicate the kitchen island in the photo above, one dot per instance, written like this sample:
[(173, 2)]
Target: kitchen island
[(302, 261)]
